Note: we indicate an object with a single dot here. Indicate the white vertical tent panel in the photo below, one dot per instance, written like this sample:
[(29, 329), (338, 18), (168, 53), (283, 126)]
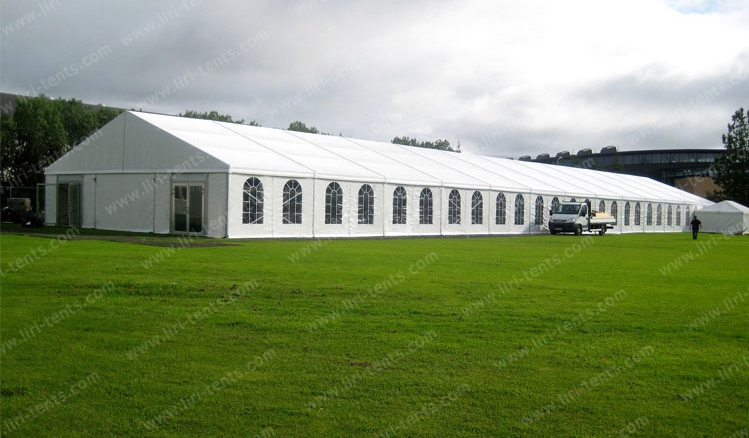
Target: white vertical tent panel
[(162, 202), (123, 203), (215, 216), (50, 199), (88, 209)]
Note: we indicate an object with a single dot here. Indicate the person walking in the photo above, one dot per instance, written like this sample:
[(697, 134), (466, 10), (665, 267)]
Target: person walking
[(696, 225)]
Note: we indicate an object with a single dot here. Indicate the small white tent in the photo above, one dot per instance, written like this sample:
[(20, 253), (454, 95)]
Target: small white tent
[(725, 217)]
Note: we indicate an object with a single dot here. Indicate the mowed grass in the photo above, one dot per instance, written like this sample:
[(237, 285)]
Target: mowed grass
[(617, 335)]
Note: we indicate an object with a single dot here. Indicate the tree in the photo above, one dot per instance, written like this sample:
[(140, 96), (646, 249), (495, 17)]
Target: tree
[(443, 145), (301, 127), (732, 169), (214, 115), (40, 131)]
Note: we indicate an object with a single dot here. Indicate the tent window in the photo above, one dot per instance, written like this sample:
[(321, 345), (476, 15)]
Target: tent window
[(573, 200), (519, 210), (554, 203), (638, 214), (252, 202), (539, 219), (659, 215), (425, 207), (614, 209), (602, 206), (292, 202), (477, 208), (399, 206), (678, 215), (626, 214), (453, 207), (501, 209), (686, 216), (670, 215), (649, 218), (366, 205), (334, 204)]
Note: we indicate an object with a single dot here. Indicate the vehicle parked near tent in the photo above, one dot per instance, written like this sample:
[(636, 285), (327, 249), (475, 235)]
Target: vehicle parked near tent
[(576, 217)]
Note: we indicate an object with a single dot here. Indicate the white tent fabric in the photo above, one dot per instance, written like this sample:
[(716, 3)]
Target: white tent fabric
[(130, 174), (726, 217)]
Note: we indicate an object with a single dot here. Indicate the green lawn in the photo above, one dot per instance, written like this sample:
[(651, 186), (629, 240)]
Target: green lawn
[(641, 335)]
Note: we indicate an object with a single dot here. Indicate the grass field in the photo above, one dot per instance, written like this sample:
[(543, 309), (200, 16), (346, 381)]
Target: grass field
[(642, 335)]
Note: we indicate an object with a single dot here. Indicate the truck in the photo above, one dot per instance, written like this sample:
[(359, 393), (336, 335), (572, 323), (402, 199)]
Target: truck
[(576, 217)]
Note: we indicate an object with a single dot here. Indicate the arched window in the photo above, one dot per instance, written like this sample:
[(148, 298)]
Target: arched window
[(602, 206), (399, 205), (519, 210), (426, 207), (573, 200), (670, 215), (477, 208), (453, 207), (539, 219), (649, 217), (292, 202), (638, 214), (501, 209), (366, 205), (659, 215), (252, 202), (687, 218), (626, 214), (678, 215), (554, 204), (334, 204), (614, 209)]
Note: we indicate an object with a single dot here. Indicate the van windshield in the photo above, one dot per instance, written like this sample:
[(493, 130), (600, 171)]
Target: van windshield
[(567, 209)]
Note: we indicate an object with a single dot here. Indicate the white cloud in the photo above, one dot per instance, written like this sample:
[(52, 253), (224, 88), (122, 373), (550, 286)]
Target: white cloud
[(504, 78)]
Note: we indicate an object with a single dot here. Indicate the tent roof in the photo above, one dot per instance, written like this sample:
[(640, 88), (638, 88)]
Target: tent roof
[(144, 142), (726, 207)]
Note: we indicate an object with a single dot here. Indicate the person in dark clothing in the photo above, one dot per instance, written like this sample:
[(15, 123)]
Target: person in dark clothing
[(696, 225)]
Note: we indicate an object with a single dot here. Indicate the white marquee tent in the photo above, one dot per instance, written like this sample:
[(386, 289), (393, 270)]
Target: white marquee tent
[(165, 174), (725, 217)]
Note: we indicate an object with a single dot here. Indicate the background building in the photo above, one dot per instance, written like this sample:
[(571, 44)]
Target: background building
[(688, 169)]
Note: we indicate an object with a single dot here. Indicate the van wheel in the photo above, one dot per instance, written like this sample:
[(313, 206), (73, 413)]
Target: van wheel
[(578, 230), (602, 232), (553, 231)]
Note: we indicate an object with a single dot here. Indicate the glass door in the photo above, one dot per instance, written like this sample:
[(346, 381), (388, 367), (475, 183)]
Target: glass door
[(188, 208), (69, 204)]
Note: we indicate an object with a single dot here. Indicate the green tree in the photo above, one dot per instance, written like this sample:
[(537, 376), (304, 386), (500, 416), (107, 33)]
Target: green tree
[(216, 116), (301, 127), (443, 145), (40, 131), (732, 169)]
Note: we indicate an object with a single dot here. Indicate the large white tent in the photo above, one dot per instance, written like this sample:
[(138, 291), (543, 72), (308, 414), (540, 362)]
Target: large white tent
[(166, 174), (725, 217)]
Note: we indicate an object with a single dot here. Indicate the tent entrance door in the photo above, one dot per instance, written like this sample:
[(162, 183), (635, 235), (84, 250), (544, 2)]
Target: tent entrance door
[(187, 208), (69, 204)]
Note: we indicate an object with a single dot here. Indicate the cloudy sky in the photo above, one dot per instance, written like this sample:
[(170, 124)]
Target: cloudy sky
[(503, 78)]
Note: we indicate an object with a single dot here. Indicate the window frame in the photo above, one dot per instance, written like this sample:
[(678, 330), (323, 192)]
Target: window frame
[(426, 207), (291, 206), (365, 204), (453, 207), (400, 206), (253, 204), (477, 208)]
